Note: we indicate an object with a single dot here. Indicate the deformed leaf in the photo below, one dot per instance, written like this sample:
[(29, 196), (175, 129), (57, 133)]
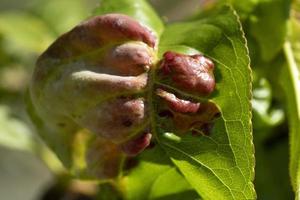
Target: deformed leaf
[(220, 165), (104, 62), (77, 84)]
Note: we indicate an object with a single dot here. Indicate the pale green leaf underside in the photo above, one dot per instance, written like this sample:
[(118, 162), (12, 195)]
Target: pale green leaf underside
[(219, 166)]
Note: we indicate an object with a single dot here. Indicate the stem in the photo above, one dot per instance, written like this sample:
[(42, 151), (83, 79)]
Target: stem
[(294, 76), (293, 73)]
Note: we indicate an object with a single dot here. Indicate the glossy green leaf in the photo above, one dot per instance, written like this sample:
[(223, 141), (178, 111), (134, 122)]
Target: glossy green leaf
[(221, 165), (138, 9), (161, 189), (140, 179), (152, 177)]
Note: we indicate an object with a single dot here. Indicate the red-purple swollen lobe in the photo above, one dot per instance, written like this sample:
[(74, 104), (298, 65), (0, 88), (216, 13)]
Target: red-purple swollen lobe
[(116, 120), (187, 115), (206, 113), (137, 144), (176, 104), (98, 32), (129, 59), (191, 73)]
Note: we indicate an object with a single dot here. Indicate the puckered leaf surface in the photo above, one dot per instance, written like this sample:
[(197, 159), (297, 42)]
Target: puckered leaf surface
[(221, 165)]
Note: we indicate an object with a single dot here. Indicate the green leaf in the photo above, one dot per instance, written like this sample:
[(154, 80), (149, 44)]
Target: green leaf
[(152, 177), (138, 9), (268, 25), (140, 180), (161, 189), (27, 35), (221, 165), (54, 10), (243, 8), (294, 36), (290, 81)]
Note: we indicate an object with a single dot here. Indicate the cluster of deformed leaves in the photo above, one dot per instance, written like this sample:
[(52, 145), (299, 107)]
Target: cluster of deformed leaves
[(104, 89)]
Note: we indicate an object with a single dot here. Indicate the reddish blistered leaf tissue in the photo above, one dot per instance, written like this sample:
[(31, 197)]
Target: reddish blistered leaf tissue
[(190, 73), (96, 77)]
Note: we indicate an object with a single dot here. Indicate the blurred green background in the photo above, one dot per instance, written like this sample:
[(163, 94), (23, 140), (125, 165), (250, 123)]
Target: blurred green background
[(29, 171), (27, 27)]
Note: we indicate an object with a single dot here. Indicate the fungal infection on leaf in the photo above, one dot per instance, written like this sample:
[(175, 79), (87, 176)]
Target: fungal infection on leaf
[(96, 77), (191, 73)]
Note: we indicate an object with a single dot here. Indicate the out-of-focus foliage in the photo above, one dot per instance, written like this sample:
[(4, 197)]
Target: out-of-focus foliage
[(26, 29), (17, 133), (270, 28), (290, 82), (22, 175)]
